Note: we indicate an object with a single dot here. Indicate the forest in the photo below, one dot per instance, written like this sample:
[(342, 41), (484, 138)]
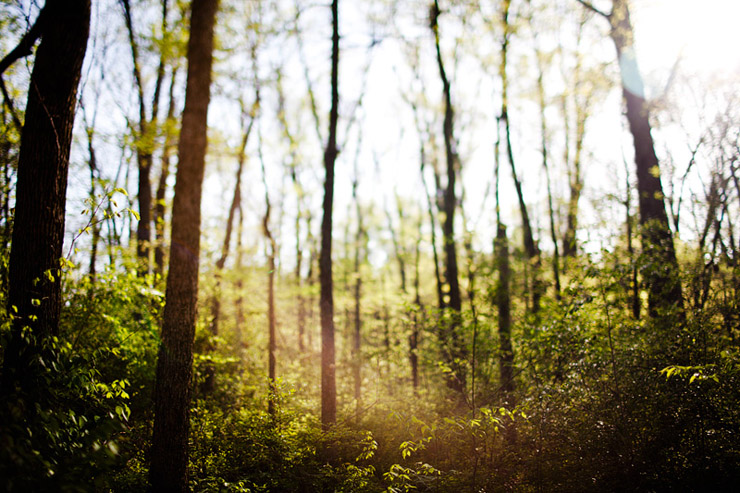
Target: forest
[(369, 246)]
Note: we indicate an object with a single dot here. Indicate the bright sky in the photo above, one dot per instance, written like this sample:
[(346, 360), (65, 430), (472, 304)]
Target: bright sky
[(704, 32)]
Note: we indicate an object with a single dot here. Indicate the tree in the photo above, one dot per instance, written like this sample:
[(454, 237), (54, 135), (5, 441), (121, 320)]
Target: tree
[(530, 245), (661, 266), (145, 141), (159, 203), (455, 351), (502, 292), (169, 453), (328, 370), (34, 294)]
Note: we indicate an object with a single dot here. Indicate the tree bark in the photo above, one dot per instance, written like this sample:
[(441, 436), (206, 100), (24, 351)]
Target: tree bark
[(328, 370), (34, 277), (169, 453)]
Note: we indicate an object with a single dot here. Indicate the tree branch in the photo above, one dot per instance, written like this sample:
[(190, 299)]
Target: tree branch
[(590, 7), (25, 45), (9, 104)]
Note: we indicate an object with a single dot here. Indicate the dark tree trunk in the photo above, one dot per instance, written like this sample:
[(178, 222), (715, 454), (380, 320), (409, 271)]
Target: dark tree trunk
[(397, 245), (455, 351), (328, 379), (34, 277), (416, 319), (357, 333), (634, 295), (360, 244), (160, 206), (570, 244), (503, 304), (545, 165), (433, 228), (503, 286), (661, 271), (530, 246), (300, 194), (270, 252), (239, 322), (145, 141), (169, 453), (94, 224)]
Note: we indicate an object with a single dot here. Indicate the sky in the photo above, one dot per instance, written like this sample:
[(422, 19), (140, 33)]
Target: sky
[(702, 34)]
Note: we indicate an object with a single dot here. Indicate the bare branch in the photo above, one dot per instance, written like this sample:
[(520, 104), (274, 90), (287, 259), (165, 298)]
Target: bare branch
[(23, 49), (9, 104), (590, 7)]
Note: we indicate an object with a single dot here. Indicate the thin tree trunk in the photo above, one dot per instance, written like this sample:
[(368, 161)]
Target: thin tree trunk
[(160, 205), (209, 370), (397, 245), (530, 246), (94, 224), (34, 277), (545, 165), (635, 285), (145, 144), (433, 239), (271, 252), (298, 188), (570, 244), (239, 323), (328, 379), (357, 335), (169, 453), (503, 286), (417, 314), (455, 352)]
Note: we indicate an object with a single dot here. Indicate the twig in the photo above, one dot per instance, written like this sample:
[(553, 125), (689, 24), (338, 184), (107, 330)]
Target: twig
[(590, 7), (24, 46)]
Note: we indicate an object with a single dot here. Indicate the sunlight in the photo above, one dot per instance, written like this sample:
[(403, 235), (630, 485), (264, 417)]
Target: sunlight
[(703, 34)]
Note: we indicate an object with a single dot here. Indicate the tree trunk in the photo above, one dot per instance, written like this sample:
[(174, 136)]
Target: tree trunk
[(503, 286), (145, 140), (34, 277), (570, 244), (455, 351), (298, 188), (328, 379), (209, 370), (635, 303), (661, 271), (543, 130), (160, 206), (530, 246), (94, 224), (270, 252), (357, 334), (169, 453), (416, 319)]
